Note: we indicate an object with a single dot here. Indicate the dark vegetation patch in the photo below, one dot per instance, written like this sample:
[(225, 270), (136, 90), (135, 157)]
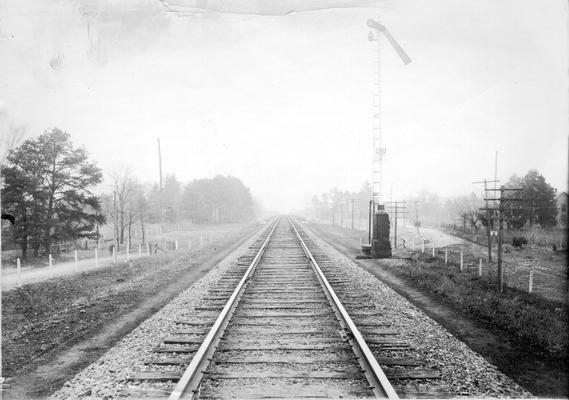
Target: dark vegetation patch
[(526, 317)]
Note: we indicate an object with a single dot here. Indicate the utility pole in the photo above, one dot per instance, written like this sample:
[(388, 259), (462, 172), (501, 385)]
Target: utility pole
[(395, 206), (501, 208), (160, 165), (116, 220), (161, 190), (353, 203), (417, 223), (488, 218)]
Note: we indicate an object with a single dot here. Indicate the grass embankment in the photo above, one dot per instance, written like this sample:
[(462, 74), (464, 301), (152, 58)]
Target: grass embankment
[(40, 318), (530, 319)]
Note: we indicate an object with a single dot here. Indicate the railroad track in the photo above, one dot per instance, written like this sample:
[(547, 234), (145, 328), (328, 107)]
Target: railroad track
[(274, 326)]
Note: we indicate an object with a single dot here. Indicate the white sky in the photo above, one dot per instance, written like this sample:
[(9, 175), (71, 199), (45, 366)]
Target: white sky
[(285, 102)]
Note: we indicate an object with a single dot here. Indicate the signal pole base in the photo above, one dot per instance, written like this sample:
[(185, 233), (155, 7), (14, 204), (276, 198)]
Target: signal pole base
[(380, 244)]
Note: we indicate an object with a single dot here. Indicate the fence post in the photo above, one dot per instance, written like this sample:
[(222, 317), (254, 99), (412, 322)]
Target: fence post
[(446, 256), (50, 266), (96, 258), (480, 268), (76, 265), (433, 249), (530, 285), (147, 249), (461, 259), (422, 245), (19, 269)]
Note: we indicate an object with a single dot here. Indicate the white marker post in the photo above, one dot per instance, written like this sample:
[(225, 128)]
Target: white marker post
[(530, 285), (19, 269), (76, 264), (96, 258), (461, 259), (176, 244), (413, 244), (480, 268), (128, 252), (446, 256), (433, 249), (147, 249), (114, 255), (201, 241), (50, 266), (423, 246)]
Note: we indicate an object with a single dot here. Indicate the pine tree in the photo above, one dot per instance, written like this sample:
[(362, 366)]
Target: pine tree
[(47, 186)]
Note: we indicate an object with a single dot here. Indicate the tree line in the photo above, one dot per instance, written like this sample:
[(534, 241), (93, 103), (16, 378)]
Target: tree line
[(535, 205), (48, 187)]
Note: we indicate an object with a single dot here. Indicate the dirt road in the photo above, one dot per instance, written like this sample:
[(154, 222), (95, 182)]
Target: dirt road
[(11, 279)]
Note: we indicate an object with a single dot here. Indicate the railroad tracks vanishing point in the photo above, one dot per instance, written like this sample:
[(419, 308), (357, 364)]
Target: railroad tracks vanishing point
[(274, 327)]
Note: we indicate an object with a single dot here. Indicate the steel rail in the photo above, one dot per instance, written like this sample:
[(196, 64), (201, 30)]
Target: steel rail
[(190, 380), (377, 378)]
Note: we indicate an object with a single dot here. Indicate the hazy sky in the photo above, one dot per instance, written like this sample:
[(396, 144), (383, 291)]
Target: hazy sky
[(284, 102)]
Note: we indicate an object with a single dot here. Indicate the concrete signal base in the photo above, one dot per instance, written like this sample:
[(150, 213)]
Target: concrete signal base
[(380, 244)]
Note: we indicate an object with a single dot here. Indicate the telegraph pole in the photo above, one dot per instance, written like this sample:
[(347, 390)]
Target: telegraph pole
[(417, 223), (488, 217), (161, 190), (395, 206), (501, 208), (353, 202)]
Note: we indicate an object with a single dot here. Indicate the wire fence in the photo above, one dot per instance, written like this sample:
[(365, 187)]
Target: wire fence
[(529, 277), (109, 254)]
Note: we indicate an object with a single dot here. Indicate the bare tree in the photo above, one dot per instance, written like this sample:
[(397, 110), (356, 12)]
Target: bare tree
[(124, 185)]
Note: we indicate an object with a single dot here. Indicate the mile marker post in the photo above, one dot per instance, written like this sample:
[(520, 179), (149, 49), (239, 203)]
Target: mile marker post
[(96, 257), (446, 256), (480, 268), (530, 284), (140, 249), (201, 241), (147, 249), (413, 244), (433, 249), (423, 246), (114, 255), (50, 266), (176, 244), (76, 264), (128, 251), (461, 259)]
